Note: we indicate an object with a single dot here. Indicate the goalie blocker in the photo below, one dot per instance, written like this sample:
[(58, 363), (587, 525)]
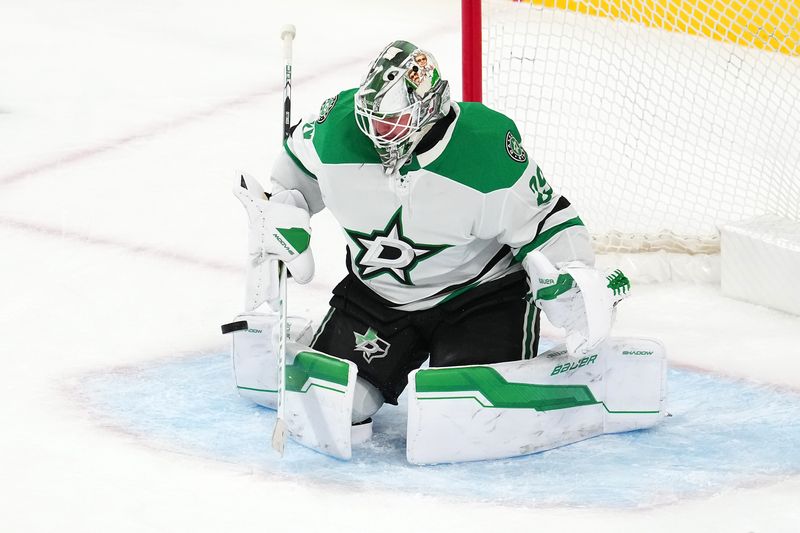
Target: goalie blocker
[(463, 413)]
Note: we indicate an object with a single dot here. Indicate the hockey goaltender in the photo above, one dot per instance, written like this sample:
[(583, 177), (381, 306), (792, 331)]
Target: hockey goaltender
[(455, 245)]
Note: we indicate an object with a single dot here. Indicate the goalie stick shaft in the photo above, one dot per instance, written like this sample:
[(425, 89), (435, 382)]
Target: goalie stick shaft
[(279, 433)]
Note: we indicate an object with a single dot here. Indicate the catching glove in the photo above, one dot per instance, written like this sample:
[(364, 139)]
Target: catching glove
[(576, 297)]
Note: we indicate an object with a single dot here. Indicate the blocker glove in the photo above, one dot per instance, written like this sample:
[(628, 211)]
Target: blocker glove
[(576, 297), (280, 228)]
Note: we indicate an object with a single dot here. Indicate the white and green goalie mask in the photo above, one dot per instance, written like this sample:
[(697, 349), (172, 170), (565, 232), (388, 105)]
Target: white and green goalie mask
[(402, 95)]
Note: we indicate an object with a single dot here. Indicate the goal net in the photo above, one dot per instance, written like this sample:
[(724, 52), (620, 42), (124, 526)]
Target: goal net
[(659, 119)]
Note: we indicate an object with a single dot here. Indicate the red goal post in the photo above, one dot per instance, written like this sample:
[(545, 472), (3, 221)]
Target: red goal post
[(471, 50)]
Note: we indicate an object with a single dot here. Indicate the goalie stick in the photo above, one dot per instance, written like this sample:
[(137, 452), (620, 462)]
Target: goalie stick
[(279, 432)]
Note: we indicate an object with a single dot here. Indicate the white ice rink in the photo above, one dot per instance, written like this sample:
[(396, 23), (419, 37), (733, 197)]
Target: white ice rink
[(122, 125)]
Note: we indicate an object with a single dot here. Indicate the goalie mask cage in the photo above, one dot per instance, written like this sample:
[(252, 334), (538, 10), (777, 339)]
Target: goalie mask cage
[(658, 119)]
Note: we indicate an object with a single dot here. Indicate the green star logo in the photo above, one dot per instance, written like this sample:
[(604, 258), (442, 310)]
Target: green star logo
[(389, 251), (372, 346)]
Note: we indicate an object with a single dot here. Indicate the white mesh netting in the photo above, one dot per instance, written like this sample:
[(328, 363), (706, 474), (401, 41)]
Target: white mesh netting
[(659, 120)]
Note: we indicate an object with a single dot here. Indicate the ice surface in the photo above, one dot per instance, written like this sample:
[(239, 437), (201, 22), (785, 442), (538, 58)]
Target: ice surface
[(122, 127), (714, 440)]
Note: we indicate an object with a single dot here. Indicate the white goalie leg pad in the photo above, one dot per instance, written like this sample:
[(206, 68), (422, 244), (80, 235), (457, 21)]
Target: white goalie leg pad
[(471, 413), (255, 357), (318, 404)]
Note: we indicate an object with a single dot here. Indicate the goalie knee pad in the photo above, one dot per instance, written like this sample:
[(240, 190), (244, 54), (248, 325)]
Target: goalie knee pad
[(367, 399)]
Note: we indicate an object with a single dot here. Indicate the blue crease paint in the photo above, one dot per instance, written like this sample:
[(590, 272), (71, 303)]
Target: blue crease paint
[(723, 433)]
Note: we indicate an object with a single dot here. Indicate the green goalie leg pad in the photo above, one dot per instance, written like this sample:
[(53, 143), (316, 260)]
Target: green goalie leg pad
[(319, 400), (471, 413)]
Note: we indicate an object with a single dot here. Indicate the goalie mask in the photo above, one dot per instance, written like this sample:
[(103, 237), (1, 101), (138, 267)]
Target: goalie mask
[(401, 97)]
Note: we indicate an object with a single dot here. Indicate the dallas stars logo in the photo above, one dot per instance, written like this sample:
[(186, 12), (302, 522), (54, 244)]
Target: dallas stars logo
[(515, 149), (326, 108), (389, 251), (373, 346)]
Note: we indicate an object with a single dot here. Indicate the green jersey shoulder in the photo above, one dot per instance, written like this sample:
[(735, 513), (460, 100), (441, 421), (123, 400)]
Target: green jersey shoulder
[(484, 151), (335, 134)]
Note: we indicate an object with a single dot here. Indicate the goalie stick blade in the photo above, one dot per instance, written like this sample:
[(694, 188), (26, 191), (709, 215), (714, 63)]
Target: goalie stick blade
[(279, 436)]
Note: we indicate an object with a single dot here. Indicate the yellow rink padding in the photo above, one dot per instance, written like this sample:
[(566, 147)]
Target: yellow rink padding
[(772, 25)]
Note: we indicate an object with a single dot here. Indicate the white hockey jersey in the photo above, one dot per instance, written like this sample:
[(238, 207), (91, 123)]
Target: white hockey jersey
[(464, 212)]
